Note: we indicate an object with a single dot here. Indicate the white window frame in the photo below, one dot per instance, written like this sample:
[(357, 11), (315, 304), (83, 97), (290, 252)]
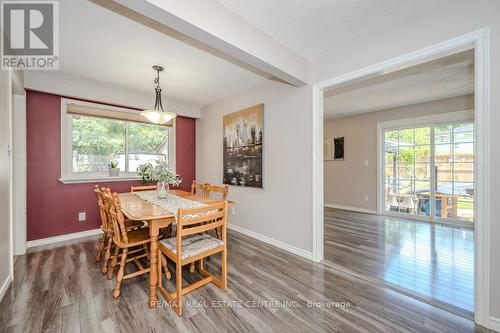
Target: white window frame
[(425, 121), (67, 174)]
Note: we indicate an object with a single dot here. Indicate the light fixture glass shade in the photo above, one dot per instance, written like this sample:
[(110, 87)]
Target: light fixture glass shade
[(158, 117)]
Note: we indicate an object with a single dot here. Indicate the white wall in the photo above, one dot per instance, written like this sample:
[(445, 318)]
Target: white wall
[(5, 195), (281, 211), (346, 183), (19, 174)]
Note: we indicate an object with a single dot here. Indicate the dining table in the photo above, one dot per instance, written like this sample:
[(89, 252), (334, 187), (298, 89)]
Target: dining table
[(137, 209)]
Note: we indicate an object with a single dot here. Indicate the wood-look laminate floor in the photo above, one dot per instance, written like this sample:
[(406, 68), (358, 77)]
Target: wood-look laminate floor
[(433, 261), (60, 289)]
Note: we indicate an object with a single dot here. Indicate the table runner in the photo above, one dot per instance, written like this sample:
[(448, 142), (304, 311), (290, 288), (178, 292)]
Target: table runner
[(171, 203)]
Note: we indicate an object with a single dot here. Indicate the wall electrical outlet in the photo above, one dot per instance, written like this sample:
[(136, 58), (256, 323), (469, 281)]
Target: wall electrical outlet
[(366, 162), (82, 216), (366, 198)]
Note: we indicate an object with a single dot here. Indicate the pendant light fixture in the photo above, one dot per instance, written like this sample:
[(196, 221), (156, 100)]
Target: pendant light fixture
[(158, 115)]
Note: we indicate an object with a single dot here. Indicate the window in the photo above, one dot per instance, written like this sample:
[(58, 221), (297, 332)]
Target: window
[(429, 170), (407, 169), (91, 142)]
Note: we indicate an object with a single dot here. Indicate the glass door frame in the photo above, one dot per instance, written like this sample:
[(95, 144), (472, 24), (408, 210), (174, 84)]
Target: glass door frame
[(427, 121)]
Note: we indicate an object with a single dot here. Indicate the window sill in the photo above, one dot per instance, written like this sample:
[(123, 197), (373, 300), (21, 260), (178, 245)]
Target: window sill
[(105, 179)]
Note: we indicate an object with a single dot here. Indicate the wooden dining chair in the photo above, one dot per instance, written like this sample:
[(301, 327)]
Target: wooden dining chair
[(223, 190), (106, 240), (129, 242), (199, 189), (143, 188), (192, 244)]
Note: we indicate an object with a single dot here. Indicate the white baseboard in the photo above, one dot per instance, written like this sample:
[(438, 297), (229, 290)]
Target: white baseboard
[(354, 209), (62, 238), (5, 286), (287, 247), (495, 324)]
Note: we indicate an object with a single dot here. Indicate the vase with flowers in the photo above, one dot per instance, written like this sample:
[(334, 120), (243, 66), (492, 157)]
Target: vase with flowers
[(161, 173)]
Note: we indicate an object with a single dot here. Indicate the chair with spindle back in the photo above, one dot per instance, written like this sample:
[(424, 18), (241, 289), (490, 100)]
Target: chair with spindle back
[(130, 242), (143, 188), (192, 244), (224, 190), (105, 242), (199, 189)]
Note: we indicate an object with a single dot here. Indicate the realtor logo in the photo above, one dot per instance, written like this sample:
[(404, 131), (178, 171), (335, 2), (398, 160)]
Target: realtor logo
[(30, 35)]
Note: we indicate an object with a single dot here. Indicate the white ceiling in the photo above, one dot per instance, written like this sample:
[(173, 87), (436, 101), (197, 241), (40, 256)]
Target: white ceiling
[(313, 28), (438, 79), (103, 47)]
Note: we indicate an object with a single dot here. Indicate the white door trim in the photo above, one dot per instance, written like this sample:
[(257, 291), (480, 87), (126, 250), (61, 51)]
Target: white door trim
[(480, 40)]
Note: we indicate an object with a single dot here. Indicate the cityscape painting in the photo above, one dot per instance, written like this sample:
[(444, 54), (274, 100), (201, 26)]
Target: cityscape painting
[(243, 146)]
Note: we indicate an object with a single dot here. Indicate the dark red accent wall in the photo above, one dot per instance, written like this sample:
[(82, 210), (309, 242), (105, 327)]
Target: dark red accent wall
[(53, 207), (185, 158)]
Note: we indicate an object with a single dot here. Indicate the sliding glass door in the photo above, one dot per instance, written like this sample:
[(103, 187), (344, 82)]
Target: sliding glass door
[(429, 171)]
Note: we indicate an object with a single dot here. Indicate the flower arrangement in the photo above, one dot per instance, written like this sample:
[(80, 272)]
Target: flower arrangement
[(159, 172)]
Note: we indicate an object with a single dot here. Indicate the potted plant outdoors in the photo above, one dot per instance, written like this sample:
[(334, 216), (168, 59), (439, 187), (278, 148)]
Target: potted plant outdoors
[(160, 173), (114, 170)]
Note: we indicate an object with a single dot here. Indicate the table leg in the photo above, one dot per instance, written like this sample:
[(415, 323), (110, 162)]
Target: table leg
[(153, 274)]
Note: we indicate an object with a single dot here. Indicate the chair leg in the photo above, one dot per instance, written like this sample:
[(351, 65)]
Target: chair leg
[(114, 261), (159, 269), (164, 262), (146, 250), (107, 254), (224, 269), (178, 288), (100, 247), (191, 267), (121, 272)]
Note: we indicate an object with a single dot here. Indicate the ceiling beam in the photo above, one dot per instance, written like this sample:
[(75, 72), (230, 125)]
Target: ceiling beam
[(213, 28)]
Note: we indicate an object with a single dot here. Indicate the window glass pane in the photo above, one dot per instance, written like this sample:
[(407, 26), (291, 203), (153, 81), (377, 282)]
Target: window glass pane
[(444, 188), (463, 127), (443, 171), (465, 210), (421, 198), (463, 137), (463, 152), (405, 187), (463, 172), (392, 136), (406, 137), (406, 158), (443, 153), (422, 171), (423, 153), (146, 143), (442, 134), (423, 136), (454, 160), (463, 190), (96, 142)]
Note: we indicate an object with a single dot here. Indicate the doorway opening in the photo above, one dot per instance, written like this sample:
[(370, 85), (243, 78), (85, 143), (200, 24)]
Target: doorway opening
[(415, 180)]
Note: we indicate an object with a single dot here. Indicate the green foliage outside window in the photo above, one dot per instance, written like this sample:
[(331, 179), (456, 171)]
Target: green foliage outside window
[(98, 141)]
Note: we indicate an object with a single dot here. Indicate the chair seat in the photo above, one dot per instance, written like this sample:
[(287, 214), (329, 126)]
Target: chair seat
[(193, 245), (138, 237)]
